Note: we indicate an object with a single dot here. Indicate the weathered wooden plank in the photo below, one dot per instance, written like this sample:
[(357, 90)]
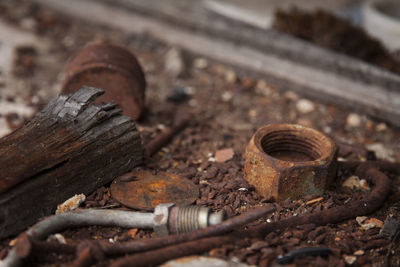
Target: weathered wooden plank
[(70, 147), (286, 62)]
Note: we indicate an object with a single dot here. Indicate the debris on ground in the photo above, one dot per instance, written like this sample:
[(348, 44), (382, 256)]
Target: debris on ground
[(223, 155), (226, 107), (71, 203)]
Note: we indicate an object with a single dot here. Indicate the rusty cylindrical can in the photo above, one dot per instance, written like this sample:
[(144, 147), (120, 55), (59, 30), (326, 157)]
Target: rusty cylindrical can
[(113, 69)]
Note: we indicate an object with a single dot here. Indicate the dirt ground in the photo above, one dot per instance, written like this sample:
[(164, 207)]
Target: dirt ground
[(228, 105)]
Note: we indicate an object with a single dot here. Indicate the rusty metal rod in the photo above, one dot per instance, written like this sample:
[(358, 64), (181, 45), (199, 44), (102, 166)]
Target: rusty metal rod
[(84, 258), (333, 215), (154, 243), (88, 254), (373, 201), (392, 167), (181, 119), (158, 256)]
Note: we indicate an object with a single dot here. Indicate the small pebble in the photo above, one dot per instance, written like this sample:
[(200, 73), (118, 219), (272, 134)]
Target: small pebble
[(252, 113), (226, 96), (13, 242), (174, 64), (71, 203), (353, 182), (230, 76), (132, 232), (361, 219), (359, 252), (369, 223), (291, 95), (200, 63), (223, 155), (192, 103), (380, 127), (315, 200), (57, 237), (381, 151), (262, 88), (178, 95), (305, 106), (353, 120), (350, 259)]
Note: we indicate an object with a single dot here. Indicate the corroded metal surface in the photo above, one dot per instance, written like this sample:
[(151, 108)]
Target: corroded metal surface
[(144, 190), (287, 161), (113, 69)]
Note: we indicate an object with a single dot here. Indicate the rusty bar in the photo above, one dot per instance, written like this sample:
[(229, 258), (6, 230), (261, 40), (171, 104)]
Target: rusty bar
[(84, 258), (181, 119), (393, 167), (158, 256), (88, 254)]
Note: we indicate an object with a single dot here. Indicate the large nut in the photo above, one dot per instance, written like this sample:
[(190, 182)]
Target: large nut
[(161, 215), (287, 161)]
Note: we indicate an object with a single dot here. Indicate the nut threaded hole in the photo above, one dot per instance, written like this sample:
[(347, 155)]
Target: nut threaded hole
[(292, 145)]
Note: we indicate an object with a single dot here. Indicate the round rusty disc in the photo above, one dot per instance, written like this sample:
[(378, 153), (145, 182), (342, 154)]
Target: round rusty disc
[(144, 190)]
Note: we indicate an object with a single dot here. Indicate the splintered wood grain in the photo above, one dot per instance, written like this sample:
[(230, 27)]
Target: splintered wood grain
[(70, 147)]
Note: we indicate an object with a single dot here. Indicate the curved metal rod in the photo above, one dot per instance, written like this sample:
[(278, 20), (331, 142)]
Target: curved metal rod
[(84, 217)]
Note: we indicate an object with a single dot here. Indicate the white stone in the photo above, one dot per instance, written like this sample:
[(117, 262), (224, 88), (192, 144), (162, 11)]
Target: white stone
[(381, 151), (353, 120), (380, 127), (291, 95), (305, 106), (350, 259), (226, 96), (71, 203), (57, 237), (200, 63), (262, 88), (230, 76), (174, 64)]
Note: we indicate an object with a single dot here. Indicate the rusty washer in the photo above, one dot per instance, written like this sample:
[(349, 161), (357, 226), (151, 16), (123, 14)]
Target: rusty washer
[(111, 68), (287, 161)]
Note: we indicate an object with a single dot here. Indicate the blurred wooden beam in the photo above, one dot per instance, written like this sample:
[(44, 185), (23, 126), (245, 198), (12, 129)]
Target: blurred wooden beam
[(284, 61)]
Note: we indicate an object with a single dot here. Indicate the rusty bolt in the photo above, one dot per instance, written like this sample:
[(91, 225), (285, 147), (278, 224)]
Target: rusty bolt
[(111, 68), (171, 219), (287, 161)]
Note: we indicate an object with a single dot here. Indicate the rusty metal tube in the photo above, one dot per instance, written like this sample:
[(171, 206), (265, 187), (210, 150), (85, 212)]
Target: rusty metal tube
[(59, 222), (126, 219), (56, 223), (112, 68)]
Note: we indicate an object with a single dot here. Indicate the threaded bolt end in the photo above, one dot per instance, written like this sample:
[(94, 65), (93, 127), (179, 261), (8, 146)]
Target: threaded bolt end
[(191, 218)]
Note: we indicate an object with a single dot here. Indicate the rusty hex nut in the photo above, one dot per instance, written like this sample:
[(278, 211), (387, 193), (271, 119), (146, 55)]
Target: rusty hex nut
[(111, 68), (287, 161), (161, 215)]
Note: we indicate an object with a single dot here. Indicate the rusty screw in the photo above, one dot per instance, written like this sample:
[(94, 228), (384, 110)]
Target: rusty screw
[(287, 161), (111, 68)]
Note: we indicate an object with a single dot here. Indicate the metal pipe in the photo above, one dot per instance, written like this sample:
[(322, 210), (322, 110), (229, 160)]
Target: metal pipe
[(161, 221)]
